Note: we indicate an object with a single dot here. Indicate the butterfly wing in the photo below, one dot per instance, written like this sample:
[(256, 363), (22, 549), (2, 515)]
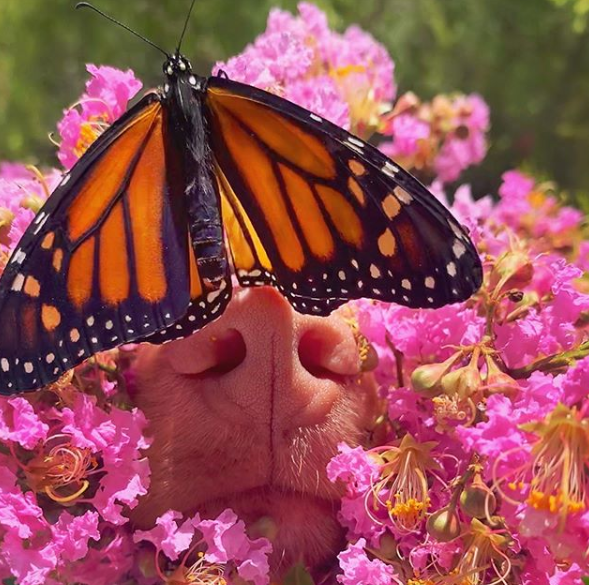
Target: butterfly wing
[(323, 215), (107, 259)]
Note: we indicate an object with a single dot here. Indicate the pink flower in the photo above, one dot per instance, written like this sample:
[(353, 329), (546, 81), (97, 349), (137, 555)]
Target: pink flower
[(407, 130), (107, 94), (459, 153), (168, 536), (110, 562), (111, 88), (20, 424), (71, 534), (516, 186), (225, 539), (358, 568), (321, 96), (117, 437), (301, 59), (354, 467)]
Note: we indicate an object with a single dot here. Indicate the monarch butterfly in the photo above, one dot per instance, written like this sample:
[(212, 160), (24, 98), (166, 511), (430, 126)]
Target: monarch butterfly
[(204, 178)]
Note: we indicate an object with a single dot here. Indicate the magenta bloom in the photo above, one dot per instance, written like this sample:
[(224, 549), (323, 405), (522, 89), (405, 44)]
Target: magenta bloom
[(224, 541), (117, 437), (407, 130), (358, 568), (301, 59), (105, 99)]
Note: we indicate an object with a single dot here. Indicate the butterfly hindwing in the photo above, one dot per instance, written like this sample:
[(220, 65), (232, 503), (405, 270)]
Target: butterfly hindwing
[(335, 218)]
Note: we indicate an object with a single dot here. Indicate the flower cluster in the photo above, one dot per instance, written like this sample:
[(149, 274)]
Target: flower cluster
[(484, 475), (440, 138), (106, 97), (346, 78), (478, 474)]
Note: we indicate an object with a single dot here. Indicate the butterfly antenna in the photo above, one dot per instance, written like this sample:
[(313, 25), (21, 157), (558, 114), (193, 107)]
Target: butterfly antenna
[(185, 27), (88, 5)]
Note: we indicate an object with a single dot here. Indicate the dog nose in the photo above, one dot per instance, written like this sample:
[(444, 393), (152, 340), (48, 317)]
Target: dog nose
[(269, 360)]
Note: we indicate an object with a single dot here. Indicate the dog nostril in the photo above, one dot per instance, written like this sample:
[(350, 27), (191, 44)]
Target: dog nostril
[(228, 350), (325, 353)]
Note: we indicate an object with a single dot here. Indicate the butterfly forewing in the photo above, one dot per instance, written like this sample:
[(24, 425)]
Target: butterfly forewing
[(336, 219), (105, 261)]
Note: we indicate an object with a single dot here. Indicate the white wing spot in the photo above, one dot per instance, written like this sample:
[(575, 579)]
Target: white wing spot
[(213, 295), (374, 271), (406, 284), (18, 282), (390, 169), (74, 335), (28, 366), (19, 257), (40, 221), (342, 275), (430, 300), (451, 268), (430, 282), (90, 321), (315, 117), (355, 141), (109, 325), (459, 249), (5, 364), (355, 264), (403, 196)]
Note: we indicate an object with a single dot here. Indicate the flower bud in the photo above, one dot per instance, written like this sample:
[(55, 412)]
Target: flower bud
[(444, 525), (32, 202), (6, 216), (498, 382), (463, 382), (477, 500), (426, 378), (512, 270), (388, 547)]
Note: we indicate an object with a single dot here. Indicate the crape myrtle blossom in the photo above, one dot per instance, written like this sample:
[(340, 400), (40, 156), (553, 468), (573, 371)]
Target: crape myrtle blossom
[(477, 473), (494, 396)]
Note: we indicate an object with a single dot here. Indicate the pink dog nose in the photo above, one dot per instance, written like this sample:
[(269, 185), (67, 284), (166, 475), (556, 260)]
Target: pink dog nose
[(269, 362)]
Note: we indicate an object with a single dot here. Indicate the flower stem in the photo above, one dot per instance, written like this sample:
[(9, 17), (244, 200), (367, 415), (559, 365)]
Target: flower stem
[(556, 363)]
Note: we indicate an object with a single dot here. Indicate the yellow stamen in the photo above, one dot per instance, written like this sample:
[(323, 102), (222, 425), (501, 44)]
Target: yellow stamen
[(403, 477), (559, 466)]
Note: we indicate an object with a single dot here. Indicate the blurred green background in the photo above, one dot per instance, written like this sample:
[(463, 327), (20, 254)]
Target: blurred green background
[(528, 58)]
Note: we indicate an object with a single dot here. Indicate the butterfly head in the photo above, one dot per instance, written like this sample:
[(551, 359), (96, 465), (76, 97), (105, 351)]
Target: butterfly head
[(177, 65)]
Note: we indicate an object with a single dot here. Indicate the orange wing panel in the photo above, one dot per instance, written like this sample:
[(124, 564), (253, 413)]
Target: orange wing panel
[(114, 269), (108, 175), (285, 138), (146, 220)]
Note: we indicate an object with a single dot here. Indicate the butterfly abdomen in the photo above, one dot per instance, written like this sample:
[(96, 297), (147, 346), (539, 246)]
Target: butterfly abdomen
[(186, 127)]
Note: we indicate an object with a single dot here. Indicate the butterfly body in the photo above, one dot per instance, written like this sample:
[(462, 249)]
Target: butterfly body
[(206, 177), (182, 97)]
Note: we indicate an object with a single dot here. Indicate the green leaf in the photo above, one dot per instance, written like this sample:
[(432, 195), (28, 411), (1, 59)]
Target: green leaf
[(298, 575), (585, 580)]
